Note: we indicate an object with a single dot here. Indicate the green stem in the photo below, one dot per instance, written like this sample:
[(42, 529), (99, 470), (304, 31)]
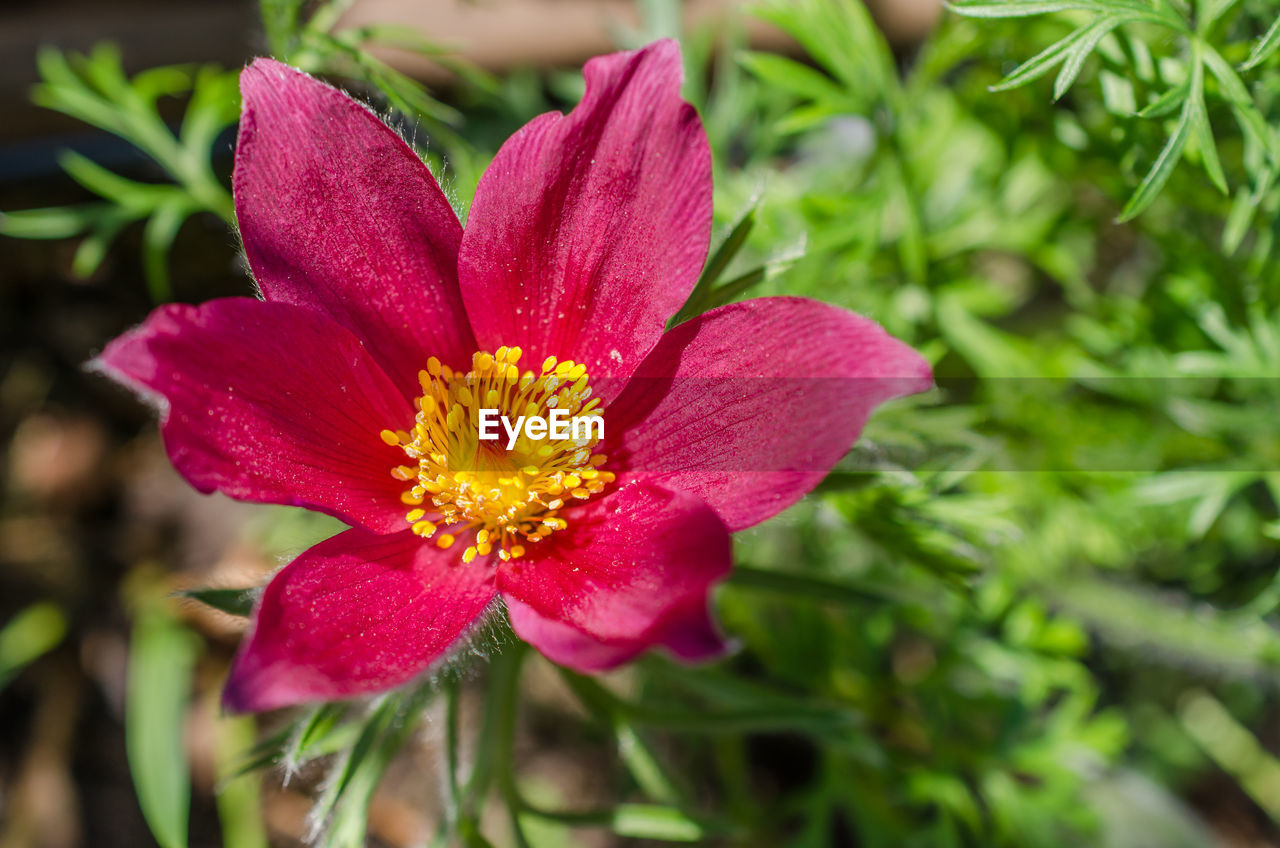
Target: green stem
[(482, 768), (452, 692), (506, 692), (494, 749)]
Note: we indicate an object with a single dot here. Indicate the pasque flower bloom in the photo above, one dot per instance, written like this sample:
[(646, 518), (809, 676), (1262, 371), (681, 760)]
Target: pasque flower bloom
[(353, 385)]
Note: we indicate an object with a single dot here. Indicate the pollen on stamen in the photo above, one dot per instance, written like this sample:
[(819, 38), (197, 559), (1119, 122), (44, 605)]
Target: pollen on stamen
[(507, 498)]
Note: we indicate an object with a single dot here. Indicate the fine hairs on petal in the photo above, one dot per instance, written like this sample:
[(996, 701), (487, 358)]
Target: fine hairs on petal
[(148, 396)]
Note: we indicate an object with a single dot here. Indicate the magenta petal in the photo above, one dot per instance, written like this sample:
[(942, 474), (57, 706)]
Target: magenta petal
[(357, 613), (750, 405), (589, 230), (339, 214), (688, 633), (566, 645), (268, 402), (632, 570)]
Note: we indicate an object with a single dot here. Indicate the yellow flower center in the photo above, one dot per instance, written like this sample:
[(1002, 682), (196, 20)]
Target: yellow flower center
[(510, 497)]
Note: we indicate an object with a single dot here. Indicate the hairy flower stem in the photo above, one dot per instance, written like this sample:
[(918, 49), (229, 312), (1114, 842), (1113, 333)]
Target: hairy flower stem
[(505, 693), (494, 752), (452, 692)]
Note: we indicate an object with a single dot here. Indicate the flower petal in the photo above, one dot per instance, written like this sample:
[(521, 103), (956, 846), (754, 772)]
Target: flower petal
[(339, 214), (589, 230), (750, 405), (632, 570), (688, 633), (269, 402), (357, 613)]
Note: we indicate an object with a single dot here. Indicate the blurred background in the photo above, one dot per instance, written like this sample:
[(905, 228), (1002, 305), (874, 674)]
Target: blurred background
[(1036, 607)]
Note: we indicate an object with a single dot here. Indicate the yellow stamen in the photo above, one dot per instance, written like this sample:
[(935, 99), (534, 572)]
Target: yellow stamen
[(465, 484)]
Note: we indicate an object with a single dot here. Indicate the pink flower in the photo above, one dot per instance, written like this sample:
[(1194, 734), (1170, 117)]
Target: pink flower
[(353, 386)]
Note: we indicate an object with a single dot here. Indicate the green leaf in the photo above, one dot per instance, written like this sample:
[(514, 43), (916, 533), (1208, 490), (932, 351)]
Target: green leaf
[(327, 15), (1250, 119), (95, 90), (1210, 12), (92, 250), (736, 287), (52, 223), (104, 69), (1164, 165), (152, 84), (1020, 8), (157, 240), (1118, 94), (162, 657), (841, 37), (34, 631), (791, 76), (1135, 9), (130, 194), (649, 821), (344, 806), (54, 68), (237, 602), (1166, 103), (214, 105), (280, 22), (239, 795), (1243, 208), (361, 758), (1208, 148), (1080, 51), (1043, 62), (318, 735), (1201, 129), (1263, 50), (1168, 629), (719, 260), (644, 765), (405, 94), (741, 284), (990, 351), (1233, 747)]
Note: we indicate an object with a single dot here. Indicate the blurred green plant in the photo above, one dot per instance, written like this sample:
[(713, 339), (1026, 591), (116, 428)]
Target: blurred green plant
[(1159, 86), (1027, 611), (94, 88), (33, 632), (162, 659), (309, 37)]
